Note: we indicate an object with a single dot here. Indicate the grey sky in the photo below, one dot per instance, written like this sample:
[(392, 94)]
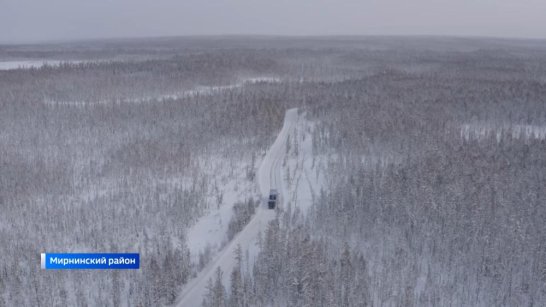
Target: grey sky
[(43, 20)]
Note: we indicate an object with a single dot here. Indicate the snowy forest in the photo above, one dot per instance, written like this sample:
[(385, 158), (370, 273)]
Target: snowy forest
[(424, 161)]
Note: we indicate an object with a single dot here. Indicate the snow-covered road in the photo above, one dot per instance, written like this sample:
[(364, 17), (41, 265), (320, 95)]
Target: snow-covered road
[(269, 176)]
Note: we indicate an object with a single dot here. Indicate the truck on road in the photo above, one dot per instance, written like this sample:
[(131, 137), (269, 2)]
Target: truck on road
[(272, 201)]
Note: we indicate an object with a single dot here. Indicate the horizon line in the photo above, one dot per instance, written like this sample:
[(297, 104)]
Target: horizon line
[(262, 36)]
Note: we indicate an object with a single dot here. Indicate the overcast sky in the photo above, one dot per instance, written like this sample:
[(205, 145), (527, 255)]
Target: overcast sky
[(44, 20)]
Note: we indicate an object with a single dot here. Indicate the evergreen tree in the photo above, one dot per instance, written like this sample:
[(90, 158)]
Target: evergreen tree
[(219, 291), (237, 298)]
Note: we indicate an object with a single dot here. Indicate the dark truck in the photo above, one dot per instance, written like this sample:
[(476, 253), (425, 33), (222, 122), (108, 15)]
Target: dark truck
[(272, 201)]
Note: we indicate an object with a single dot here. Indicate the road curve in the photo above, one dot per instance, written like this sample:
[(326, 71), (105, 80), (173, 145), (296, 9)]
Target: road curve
[(269, 176)]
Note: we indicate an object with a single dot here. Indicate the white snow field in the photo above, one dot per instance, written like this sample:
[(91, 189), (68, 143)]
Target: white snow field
[(269, 176), (28, 64), (477, 131), (303, 169), (210, 231), (202, 90)]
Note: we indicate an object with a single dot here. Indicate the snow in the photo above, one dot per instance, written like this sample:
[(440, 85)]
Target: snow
[(516, 131), (13, 65), (28, 64), (197, 91), (211, 230), (269, 175), (304, 168)]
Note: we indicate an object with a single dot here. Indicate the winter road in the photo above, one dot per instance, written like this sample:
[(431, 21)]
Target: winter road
[(269, 176)]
